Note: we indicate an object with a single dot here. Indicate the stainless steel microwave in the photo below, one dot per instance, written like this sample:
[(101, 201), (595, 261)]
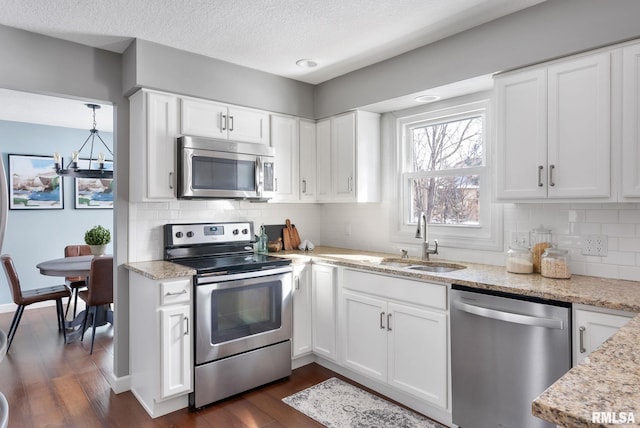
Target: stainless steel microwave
[(210, 169)]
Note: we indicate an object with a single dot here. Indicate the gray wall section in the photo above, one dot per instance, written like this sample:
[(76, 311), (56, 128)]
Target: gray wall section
[(40, 64), (168, 69), (551, 29)]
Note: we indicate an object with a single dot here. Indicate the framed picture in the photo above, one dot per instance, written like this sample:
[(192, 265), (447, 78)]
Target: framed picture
[(34, 184), (93, 193)]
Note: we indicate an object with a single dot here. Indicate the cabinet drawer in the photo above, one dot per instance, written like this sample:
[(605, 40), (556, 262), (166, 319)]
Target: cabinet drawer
[(400, 289), (178, 291)]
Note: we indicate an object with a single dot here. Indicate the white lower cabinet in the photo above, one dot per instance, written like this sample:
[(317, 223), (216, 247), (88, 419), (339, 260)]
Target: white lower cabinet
[(301, 342), (388, 335), (323, 310), (592, 327), (161, 329)]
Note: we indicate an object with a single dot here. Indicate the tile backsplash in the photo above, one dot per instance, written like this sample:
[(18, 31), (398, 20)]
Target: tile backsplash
[(368, 227)]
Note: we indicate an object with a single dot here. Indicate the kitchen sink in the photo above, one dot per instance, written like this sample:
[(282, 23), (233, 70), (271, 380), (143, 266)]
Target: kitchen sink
[(420, 265)]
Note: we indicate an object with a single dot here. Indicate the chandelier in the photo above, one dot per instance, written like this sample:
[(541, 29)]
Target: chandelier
[(95, 168)]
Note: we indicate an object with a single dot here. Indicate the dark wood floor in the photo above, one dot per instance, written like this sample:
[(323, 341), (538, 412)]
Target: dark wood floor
[(51, 384)]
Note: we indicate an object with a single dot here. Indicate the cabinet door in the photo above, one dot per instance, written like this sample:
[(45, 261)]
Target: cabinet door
[(521, 114), (284, 138), (631, 121), (307, 166), (251, 126), (579, 140), (343, 156), (323, 160), (592, 329), (418, 352), (204, 119), (365, 335), (175, 348), (162, 130), (324, 311), (302, 343)]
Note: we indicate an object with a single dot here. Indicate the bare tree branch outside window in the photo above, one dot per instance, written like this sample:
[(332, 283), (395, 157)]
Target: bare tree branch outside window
[(443, 151)]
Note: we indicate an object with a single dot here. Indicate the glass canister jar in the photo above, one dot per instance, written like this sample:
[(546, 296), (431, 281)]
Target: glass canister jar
[(540, 241), (519, 260), (555, 263)]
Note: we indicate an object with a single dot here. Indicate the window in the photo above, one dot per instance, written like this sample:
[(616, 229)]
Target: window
[(444, 174)]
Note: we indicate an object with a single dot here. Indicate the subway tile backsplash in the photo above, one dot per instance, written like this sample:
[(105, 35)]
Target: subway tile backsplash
[(368, 227)]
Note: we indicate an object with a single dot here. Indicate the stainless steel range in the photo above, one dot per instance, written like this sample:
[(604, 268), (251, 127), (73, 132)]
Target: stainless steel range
[(242, 308)]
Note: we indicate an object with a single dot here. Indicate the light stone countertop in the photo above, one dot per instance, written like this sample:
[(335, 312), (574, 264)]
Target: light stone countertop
[(608, 380)]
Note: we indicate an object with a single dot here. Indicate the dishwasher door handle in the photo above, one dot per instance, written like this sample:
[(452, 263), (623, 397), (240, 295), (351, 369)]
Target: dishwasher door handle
[(508, 316)]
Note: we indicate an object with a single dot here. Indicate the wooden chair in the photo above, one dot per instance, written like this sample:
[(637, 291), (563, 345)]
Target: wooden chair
[(99, 291), (74, 283), (24, 298)]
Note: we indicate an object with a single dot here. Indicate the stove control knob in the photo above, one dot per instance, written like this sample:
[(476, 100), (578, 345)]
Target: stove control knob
[(236, 231), (189, 234), (245, 231), (178, 234)]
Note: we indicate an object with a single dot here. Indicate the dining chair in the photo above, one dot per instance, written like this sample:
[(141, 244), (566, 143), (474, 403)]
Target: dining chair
[(24, 298), (74, 283), (98, 293)]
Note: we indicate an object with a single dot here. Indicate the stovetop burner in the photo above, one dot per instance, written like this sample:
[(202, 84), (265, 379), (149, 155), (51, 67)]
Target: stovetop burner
[(232, 263)]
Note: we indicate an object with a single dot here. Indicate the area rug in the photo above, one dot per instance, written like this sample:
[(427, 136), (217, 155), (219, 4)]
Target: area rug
[(338, 404)]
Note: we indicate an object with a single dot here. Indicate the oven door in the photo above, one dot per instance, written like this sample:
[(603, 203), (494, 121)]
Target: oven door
[(240, 312)]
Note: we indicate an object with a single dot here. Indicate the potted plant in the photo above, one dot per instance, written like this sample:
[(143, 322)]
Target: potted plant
[(97, 238)]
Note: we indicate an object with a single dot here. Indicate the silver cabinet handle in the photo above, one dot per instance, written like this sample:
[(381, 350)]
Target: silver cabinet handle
[(389, 322), (349, 184), (304, 186), (175, 293), (275, 180), (186, 331), (224, 122), (509, 316), (296, 281), (582, 348), (381, 320), (540, 168), (551, 169), (171, 180), (230, 123)]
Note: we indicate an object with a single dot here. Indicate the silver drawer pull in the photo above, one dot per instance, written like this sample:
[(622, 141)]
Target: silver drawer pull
[(540, 168), (582, 348), (382, 321), (186, 330), (175, 293)]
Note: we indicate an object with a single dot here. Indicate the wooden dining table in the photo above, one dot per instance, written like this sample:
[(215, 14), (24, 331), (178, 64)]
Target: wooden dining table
[(76, 266)]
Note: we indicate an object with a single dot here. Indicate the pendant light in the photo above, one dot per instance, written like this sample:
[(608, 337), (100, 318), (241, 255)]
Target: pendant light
[(72, 169)]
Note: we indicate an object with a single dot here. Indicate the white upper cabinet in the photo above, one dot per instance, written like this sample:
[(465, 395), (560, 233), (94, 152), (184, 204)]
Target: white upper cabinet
[(631, 121), (554, 131), (154, 127), (215, 120), (348, 158), (284, 139), (307, 140)]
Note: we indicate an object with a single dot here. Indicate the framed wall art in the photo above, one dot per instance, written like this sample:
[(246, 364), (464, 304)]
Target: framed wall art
[(34, 184), (93, 193)]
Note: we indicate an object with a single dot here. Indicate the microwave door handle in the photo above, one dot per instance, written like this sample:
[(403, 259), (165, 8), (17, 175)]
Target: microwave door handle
[(259, 178)]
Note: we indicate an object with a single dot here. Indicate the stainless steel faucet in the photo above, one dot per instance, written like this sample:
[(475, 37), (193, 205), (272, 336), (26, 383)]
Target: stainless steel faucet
[(425, 235)]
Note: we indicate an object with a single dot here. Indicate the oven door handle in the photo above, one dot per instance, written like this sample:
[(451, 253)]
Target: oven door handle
[(211, 278)]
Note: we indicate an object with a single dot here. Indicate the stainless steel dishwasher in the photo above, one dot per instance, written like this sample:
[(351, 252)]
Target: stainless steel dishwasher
[(505, 351)]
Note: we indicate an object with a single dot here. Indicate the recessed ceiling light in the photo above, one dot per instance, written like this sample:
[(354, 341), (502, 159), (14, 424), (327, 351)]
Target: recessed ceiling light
[(427, 98), (306, 63)]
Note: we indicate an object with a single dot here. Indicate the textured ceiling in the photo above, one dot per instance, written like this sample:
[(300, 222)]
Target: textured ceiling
[(268, 35)]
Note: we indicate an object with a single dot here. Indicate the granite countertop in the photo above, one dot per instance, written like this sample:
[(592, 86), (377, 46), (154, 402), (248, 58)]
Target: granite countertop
[(607, 381)]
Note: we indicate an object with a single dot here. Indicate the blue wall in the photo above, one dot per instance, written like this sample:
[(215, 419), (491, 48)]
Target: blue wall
[(34, 236)]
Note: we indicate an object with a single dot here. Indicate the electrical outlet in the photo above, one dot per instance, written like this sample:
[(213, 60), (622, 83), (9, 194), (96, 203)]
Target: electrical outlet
[(595, 245), (519, 239)]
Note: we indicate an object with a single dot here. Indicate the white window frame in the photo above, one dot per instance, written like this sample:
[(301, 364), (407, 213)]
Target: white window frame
[(489, 234)]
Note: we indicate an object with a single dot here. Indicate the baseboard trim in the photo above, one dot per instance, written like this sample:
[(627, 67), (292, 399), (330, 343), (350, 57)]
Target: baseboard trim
[(11, 307), (120, 384)]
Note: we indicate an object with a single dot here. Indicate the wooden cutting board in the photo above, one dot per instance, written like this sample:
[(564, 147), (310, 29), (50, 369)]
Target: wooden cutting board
[(290, 236)]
